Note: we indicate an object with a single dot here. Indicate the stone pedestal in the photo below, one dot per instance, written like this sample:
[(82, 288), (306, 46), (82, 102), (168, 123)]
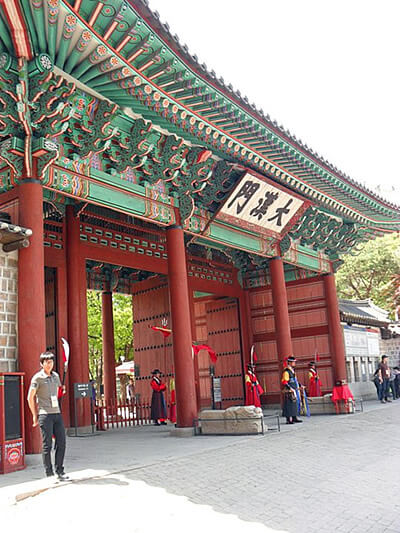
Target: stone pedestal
[(240, 420), (323, 405)]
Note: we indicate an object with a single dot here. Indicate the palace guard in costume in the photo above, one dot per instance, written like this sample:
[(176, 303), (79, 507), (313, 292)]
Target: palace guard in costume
[(314, 388), (253, 388), (158, 407), (291, 393)]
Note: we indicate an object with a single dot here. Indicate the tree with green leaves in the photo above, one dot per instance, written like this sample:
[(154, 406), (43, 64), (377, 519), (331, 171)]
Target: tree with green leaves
[(372, 273), (123, 331)]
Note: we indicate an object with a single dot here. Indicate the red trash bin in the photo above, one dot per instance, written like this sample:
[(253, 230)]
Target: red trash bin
[(12, 433)]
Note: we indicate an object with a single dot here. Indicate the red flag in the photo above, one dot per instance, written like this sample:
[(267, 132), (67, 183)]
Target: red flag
[(211, 353), (316, 355), (165, 331)]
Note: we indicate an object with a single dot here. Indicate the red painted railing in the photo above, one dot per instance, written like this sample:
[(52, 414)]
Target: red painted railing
[(113, 414)]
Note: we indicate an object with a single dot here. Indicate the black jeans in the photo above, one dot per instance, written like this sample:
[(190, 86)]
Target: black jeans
[(52, 424)]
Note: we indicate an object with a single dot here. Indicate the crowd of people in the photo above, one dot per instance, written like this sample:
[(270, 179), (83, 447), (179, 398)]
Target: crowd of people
[(46, 391), (387, 381)]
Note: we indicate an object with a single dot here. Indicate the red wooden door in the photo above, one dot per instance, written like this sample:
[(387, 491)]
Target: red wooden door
[(202, 359), (150, 306), (51, 311), (223, 335)]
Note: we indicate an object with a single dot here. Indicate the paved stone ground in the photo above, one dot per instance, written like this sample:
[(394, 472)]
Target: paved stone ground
[(329, 474)]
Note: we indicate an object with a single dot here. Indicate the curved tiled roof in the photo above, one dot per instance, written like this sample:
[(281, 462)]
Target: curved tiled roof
[(363, 312), (182, 50), (10, 233), (123, 52)]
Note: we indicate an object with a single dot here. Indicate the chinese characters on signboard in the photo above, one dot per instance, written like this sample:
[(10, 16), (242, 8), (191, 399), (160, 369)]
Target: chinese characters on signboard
[(261, 204)]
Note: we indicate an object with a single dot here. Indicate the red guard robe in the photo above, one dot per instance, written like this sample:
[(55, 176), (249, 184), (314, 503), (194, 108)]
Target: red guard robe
[(314, 387), (253, 389), (158, 407)]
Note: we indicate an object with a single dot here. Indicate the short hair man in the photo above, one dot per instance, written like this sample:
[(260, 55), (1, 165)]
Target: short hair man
[(384, 371), (43, 402)]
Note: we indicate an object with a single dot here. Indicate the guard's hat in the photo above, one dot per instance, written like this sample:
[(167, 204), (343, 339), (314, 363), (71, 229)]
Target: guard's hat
[(156, 371), (291, 359), (312, 363)]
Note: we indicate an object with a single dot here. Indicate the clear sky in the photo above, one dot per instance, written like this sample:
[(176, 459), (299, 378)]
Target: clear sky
[(326, 70)]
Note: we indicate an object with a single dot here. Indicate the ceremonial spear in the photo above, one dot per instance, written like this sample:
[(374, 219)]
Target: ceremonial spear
[(253, 356), (66, 352), (253, 360)]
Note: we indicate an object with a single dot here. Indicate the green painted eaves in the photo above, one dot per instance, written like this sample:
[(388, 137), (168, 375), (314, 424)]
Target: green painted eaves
[(275, 150)]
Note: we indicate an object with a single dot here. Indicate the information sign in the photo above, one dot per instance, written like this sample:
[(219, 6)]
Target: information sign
[(82, 390), (217, 390)]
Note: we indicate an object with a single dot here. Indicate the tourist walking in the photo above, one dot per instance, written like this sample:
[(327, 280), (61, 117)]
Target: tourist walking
[(384, 379), (43, 400), (397, 381), (130, 391), (377, 379), (392, 384)]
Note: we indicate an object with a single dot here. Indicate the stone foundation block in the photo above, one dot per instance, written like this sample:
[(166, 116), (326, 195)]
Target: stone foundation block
[(240, 420), (323, 405)]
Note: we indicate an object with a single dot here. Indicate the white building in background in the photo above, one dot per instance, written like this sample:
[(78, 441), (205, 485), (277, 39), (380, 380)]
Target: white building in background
[(368, 335)]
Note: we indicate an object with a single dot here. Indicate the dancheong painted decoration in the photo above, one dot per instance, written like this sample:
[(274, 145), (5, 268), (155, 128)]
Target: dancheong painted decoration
[(136, 167)]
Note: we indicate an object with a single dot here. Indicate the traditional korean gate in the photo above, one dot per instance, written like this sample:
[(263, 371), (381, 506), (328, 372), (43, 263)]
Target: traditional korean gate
[(223, 335), (150, 306)]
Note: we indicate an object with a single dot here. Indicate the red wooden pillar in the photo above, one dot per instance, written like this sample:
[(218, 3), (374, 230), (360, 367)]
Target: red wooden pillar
[(181, 326), (77, 317), (281, 311), (31, 297), (108, 346), (335, 329)]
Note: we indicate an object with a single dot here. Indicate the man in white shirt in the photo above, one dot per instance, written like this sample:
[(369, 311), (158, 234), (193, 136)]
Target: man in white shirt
[(43, 395)]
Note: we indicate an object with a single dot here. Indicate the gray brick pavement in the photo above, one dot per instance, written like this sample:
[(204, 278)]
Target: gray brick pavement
[(337, 474), (327, 475)]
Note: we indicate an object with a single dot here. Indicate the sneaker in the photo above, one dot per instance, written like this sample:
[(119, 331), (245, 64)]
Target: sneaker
[(62, 477), (297, 421), (388, 401), (50, 473), (383, 401)]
